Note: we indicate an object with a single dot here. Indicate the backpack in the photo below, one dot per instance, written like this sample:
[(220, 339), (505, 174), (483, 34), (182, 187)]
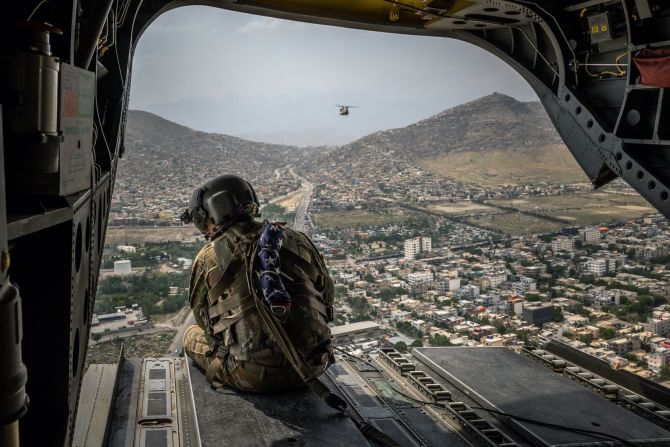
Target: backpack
[(235, 321)]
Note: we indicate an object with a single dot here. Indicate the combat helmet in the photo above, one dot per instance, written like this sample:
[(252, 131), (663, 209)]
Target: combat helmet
[(223, 200)]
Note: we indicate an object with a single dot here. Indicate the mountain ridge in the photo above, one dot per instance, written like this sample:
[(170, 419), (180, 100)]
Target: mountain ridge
[(494, 122), (482, 109)]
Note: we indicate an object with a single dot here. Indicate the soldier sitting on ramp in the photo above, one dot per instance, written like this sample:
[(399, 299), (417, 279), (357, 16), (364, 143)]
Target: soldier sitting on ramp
[(261, 296)]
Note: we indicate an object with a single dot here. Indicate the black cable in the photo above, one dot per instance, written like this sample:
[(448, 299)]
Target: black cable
[(500, 413), (39, 5)]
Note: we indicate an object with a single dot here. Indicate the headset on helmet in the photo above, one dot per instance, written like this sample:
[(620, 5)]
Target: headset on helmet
[(223, 200)]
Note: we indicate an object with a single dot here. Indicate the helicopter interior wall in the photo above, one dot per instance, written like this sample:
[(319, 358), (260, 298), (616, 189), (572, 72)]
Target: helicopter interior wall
[(47, 301)]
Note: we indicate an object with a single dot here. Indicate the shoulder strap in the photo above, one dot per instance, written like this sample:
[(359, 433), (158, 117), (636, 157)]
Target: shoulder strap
[(229, 260)]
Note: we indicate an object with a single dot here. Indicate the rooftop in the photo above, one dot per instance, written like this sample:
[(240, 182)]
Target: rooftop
[(354, 327)]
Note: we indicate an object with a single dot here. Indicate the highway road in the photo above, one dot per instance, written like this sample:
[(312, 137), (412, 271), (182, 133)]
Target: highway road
[(301, 222)]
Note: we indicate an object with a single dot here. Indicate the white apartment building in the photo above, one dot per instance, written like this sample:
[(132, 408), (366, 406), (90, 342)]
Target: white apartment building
[(657, 326), (419, 278), (562, 243), (469, 292), (488, 300), (441, 286), (416, 246), (590, 235), (496, 279), (449, 285), (659, 358), (418, 323), (620, 346), (597, 266), (524, 284), (362, 330), (516, 306), (604, 297)]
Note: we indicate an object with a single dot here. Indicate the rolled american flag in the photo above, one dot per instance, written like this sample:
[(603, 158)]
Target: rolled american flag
[(274, 292)]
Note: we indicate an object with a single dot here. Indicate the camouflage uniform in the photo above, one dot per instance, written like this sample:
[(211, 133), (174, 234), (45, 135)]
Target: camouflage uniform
[(229, 326)]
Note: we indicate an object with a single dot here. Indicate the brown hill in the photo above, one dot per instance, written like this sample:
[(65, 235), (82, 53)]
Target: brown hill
[(167, 160), (494, 139)]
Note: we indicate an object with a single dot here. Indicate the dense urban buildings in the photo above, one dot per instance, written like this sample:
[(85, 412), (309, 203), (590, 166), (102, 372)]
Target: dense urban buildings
[(421, 258), (607, 297)]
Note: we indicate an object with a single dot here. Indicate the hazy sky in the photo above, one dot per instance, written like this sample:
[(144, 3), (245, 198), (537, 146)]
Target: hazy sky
[(239, 74)]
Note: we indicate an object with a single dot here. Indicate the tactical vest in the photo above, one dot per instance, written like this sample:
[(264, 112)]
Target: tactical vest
[(233, 318)]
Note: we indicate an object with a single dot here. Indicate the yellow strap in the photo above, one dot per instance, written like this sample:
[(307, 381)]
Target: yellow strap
[(213, 368)]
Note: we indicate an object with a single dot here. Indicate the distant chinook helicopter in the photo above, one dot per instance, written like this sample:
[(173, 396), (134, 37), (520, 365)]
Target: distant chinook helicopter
[(344, 110)]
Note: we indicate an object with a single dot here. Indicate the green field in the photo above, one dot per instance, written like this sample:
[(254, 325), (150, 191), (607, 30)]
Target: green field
[(118, 235), (551, 164), (461, 208), (514, 224), (360, 218), (586, 208)]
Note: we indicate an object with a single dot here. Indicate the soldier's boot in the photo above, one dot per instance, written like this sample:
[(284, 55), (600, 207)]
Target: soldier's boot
[(196, 346), (241, 375)]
